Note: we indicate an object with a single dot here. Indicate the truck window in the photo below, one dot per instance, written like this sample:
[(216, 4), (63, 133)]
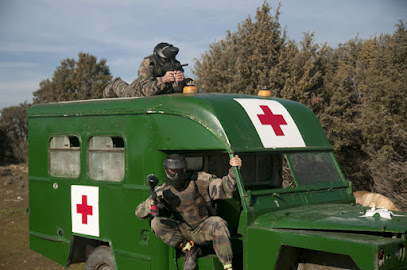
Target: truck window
[(106, 160), (314, 168), (259, 170), (64, 156)]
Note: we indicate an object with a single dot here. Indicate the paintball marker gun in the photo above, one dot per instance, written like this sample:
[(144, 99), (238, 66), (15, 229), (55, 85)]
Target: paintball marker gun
[(174, 65), (152, 181)]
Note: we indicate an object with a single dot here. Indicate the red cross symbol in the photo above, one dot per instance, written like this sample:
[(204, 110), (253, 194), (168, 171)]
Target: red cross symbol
[(84, 209), (274, 120)]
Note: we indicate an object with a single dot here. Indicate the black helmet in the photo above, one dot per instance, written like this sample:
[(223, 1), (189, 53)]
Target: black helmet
[(175, 167), (165, 50)]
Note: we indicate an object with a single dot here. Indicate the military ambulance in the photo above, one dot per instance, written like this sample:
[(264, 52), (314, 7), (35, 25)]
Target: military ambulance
[(293, 208)]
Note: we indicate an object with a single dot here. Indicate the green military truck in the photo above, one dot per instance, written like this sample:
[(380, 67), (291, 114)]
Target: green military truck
[(88, 162)]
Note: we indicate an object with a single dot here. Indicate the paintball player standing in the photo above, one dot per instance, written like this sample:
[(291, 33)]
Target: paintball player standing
[(159, 73), (189, 199)]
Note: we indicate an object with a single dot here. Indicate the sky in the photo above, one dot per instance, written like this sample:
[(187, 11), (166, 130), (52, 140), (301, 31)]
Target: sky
[(36, 35)]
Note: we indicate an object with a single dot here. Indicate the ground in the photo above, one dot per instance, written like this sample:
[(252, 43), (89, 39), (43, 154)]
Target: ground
[(15, 253), (14, 247)]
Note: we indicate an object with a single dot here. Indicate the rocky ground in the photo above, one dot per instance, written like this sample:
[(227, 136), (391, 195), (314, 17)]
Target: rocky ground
[(15, 253)]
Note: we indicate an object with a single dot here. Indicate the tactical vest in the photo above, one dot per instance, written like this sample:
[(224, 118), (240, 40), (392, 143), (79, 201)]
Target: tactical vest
[(189, 205)]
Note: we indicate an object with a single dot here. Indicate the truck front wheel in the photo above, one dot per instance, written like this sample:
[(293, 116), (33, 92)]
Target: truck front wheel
[(101, 258)]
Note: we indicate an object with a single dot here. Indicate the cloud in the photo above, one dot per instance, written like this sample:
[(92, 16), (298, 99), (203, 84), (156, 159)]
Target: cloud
[(16, 65), (337, 22), (125, 25), (18, 81), (18, 88), (14, 93)]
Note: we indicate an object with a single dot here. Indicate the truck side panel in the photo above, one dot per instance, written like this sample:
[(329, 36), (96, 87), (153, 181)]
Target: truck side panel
[(131, 239)]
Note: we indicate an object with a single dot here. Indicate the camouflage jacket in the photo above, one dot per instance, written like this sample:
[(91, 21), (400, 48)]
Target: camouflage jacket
[(150, 82), (194, 204)]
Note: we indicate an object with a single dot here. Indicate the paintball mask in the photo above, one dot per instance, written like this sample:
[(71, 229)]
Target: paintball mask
[(165, 50), (175, 167), (165, 56)]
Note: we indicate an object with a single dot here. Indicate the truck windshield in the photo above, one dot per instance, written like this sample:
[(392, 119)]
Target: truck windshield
[(273, 170), (288, 170), (312, 168)]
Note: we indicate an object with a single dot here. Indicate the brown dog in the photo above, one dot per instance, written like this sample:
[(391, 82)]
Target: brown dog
[(369, 199)]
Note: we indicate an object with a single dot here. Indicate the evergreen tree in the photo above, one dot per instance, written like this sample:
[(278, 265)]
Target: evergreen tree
[(384, 112), (356, 90), (341, 111), (14, 132), (302, 72), (243, 60), (75, 80)]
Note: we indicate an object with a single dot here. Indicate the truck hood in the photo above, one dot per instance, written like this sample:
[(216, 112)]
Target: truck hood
[(335, 217)]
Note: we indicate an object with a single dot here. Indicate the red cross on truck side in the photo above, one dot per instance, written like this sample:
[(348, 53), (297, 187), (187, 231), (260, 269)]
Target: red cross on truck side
[(274, 120), (84, 209)]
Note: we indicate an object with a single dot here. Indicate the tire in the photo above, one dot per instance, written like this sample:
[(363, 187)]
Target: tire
[(101, 258)]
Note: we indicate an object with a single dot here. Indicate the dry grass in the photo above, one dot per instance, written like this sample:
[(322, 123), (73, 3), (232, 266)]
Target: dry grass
[(15, 253)]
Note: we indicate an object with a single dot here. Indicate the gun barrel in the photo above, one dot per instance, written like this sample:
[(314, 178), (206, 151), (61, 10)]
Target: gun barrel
[(152, 181)]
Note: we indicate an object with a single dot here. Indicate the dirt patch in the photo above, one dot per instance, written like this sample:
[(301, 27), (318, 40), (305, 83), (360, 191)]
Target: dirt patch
[(15, 253)]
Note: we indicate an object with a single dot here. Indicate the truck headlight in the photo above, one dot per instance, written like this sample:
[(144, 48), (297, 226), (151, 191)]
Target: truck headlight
[(400, 252)]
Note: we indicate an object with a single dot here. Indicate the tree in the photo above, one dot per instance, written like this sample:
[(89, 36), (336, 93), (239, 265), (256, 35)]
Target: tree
[(300, 72), (75, 80), (341, 112), (383, 118), (244, 60), (5, 150), (14, 132), (72, 80), (356, 90)]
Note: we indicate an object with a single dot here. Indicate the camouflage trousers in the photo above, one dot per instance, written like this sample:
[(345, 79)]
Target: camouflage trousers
[(120, 88), (214, 229)]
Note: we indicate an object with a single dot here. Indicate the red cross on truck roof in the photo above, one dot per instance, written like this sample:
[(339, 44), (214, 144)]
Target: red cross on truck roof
[(274, 120)]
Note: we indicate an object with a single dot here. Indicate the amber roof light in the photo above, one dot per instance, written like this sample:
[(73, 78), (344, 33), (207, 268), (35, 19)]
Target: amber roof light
[(264, 93)]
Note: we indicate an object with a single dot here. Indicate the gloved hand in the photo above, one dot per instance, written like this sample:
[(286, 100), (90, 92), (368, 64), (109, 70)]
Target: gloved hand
[(153, 208)]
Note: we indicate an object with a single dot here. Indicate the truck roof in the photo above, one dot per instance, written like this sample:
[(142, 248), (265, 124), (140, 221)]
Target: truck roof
[(243, 122)]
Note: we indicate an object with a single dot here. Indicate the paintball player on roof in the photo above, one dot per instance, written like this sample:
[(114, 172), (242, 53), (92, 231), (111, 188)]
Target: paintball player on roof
[(159, 73), (189, 198)]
